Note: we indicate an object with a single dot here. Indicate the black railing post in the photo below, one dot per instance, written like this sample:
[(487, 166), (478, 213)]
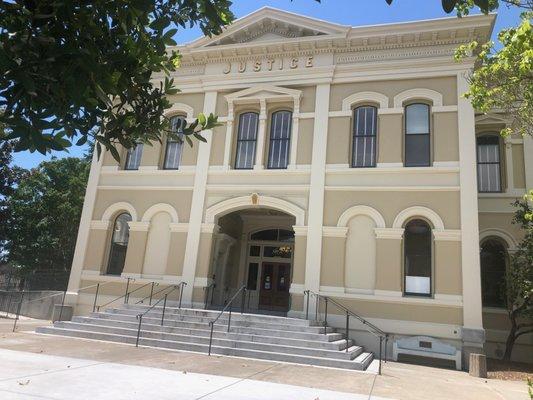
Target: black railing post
[(151, 293), (380, 346), (164, 307), (127, 289), (18, 311), (96, 296), (62, 304), (347, 329), (140, 317), (307, 306), (181, 292), (212, 293), (326, 316), (229, 318), (210, 337)]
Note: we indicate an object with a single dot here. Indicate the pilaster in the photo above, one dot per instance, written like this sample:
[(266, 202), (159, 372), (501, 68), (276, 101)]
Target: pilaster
[(261, 135), (528, 161), (389, 261), (136, 249), (98, 236)]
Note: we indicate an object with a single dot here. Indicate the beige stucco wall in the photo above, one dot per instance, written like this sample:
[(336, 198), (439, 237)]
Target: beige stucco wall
[(339, 140), (519, 173), (332, 262), (218, 139), (390, 138), (448, 278), (305, 141), (389, 264), (98, 243), (390, 203), (445, 137), (141, 200)]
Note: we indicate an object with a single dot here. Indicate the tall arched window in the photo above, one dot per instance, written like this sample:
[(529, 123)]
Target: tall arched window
[(246, 140), (133, 157), (174, 144), (364, 142), (119, 244), (417, 135), (488, 164), (280, 140), (417, 262), (493, 259)]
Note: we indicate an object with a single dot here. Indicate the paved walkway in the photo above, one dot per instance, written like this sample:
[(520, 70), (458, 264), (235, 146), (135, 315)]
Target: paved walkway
[(37, 367)]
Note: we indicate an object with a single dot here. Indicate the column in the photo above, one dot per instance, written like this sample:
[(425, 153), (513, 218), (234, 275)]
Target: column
[(176, 251), (509, 167), (294, 134), (261, 135), (203, 276), (316, 191), (298, 271), (133, 265), (389, 274), (85, 223), (98, 237), (528, 161), (198, 199), (229, 137), (472, 333)]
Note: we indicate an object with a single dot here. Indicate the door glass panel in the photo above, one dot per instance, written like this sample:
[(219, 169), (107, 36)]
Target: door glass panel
[(277, 251), (255, 251), (267, 277), (283, 278), (267, 234), (253, 269)]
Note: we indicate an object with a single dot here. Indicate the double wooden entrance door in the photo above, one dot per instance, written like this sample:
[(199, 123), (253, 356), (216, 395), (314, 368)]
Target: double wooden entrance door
[(275, 282)]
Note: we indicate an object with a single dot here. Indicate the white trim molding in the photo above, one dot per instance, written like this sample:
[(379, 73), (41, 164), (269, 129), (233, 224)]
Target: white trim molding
[(299, 230), (334, 231), (137, 226), (361, 210), (511, 242), (120, 206), (178, 108), (178, 227), (101, 225), (418, 93), (160, 207), (363, 97), (447, 235), (254, 201), (389, 233), (418, 211)]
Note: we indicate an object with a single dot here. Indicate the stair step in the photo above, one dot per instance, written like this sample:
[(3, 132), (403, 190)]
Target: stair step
[(333, 345), (359, 363)]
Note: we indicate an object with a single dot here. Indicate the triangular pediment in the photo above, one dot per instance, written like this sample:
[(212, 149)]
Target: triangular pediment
[(258, 92), (491, 119), (270, 25)]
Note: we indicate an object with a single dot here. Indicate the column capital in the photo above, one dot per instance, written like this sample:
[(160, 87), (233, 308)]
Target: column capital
[(178, 227), (210, 228), (299, 230), (447, 235), (335, 231), (389, 233), (139, 226)]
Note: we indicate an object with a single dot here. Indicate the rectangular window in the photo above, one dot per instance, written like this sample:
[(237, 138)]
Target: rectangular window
[(253, 270), (364, 137), (246, 139), (488, 164), (280, 140), (133, 157), (174, 145), (417, 136)]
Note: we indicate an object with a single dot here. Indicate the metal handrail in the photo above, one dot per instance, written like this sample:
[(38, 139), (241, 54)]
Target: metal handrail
[(380, 334), (229, 305), (207, 289), (126, 295), (141, 315)]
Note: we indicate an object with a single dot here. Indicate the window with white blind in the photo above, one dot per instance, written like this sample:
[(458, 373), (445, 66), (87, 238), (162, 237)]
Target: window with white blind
[(174, 145), (417, 258), (417, 135), (246, 140), (133, 157), (280, 140), (364, 137), (488, 164)]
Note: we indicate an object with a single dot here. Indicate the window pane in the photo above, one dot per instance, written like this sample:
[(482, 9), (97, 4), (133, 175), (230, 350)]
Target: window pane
[(277, 251), (246, 138), (255, 251), (253, 269), (493, 263), (267, 234), (286, 236), (417, 119), (133, 158), (280, 133), (417, 242), (417, 150), (364, 137), (488, 168), (174, 147), (119, 245)]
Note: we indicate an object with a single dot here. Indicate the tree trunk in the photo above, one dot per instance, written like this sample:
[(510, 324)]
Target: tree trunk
[(510, 339)]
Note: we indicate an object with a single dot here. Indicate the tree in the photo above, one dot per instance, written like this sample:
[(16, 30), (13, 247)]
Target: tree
[(73, 68), (518, 290), (45, 210)]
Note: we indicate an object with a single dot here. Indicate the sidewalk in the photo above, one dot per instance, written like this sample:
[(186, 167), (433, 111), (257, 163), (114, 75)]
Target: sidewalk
[(121, 371)]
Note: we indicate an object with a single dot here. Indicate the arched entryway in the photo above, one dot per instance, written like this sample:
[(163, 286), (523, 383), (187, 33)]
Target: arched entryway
[(254, 247)]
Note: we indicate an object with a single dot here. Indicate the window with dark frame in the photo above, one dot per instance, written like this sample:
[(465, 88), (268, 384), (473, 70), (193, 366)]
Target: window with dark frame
[(119, 244), (133, 157), (493, 259), (174, 146), (364, 138), (246, 140), (417, 258), (417, 135), (280, 140), (488, 164)]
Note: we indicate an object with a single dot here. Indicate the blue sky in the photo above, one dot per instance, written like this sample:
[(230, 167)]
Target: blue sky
[(346, 12)]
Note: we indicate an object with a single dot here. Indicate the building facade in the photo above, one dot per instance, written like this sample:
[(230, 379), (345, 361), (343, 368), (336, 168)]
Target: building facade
[(347, 162)]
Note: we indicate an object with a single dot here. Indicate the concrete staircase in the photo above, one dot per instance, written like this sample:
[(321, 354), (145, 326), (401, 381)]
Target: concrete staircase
[(251, 335)]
